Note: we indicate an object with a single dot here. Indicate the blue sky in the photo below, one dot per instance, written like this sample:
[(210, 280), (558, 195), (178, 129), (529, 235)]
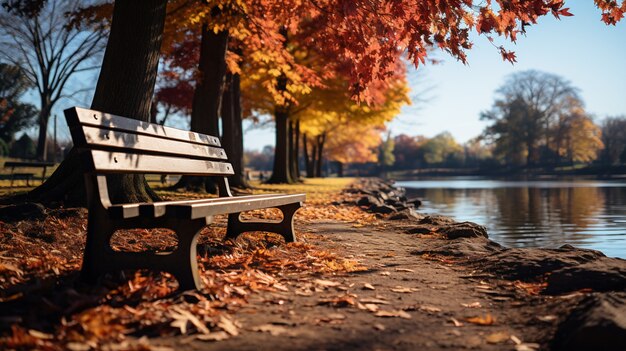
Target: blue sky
[(582, 49)]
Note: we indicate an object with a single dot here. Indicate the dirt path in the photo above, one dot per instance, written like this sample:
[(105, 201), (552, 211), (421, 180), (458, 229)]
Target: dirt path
[(429, 303)]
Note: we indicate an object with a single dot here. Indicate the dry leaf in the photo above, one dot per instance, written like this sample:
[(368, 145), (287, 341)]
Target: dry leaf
[(371, 307), (385, 273), (497, 338), (216, 336), (429, 309), (376, 301), (402, 289), (273, 329), (379, 326), (396, 313), (40, 335), (482, 320), (368, 286), (227, 325), (456, 322), (516, 340), (527, 347), (326, 283), (472, 305), (548, 318)]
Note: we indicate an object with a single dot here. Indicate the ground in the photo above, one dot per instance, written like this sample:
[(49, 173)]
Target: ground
[(354, 281)]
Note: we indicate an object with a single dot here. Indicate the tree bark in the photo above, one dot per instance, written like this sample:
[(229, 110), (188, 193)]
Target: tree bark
[(207, 97), (232, 136), (339, 169), (321, 139), (296, 151), (292, 153), (281, 171), (125, 87), (44, 117)]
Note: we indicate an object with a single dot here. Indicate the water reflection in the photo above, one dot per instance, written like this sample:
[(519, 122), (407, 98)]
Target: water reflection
[(589, 214)]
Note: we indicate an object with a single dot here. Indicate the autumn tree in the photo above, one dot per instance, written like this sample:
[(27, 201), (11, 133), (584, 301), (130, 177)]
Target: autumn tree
[(525, 112), (125, 87), (442, 149), (50, 49), (15, 115), (614, 139)]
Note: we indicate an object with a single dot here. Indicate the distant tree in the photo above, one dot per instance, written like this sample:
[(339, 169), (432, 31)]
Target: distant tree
[(443, 150), (614, 139), (14, 115), (522, 118), (408, 151), (24, 147), (575, 137), (386, 158), (261, 161), (50, 48)]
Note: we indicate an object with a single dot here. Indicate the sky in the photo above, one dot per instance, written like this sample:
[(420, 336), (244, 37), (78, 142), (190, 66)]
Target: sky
[(450, 96), (581, 49)]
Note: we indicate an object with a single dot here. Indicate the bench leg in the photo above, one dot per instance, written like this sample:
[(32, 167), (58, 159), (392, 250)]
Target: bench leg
[(100, 258), (284, 228)]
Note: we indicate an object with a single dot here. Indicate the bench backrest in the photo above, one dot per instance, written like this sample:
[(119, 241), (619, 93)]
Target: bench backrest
[(117, 144)]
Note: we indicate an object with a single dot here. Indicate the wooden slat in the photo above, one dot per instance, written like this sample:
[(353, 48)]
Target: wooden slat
[(80, 116), (141, 142), (31, 164), (120, 162), (158, 209), (204, 209)]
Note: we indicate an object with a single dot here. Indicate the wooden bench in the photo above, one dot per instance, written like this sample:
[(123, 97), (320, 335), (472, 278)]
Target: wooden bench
[(26, 164), (113, 144)]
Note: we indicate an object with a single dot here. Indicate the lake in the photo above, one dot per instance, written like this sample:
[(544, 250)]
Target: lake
[(584, 213)]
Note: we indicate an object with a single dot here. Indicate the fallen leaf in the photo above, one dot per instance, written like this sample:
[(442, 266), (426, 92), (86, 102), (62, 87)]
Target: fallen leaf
[(516, 340), (376, 301), (379, 326), (472, 305), (227, 325), (326, 283), (456, 322), (429, 309), (273, 329), (339, 301), (368, 286), (396, 313), (527, 347), (40, 335), (548, 318), (385, 273), (497, 338), (402, 289), (482, 320), (371, 307), (216, 336)]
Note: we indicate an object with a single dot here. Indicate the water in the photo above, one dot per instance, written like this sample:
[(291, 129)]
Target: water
[(583, 213)]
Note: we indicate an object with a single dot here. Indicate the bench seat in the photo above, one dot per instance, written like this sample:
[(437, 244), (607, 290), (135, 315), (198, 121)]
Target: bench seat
[(193, 209)]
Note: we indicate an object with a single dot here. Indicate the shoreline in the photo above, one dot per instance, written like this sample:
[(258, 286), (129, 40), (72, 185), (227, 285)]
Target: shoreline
[(598, 318)]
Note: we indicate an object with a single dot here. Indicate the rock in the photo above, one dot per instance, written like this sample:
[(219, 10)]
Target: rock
[(369, 200), (420, 229), (404, 215), (531, 264), (464, 230), (382, 209), (603, 274), (597, 323), (463, 247), (437, 220), (414, 201), (23, 211), (383, 196)]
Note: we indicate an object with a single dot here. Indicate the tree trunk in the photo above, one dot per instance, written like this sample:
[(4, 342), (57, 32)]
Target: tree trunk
[(309, 158), (125, 87), (321, 139), (292, 153), (281, 171), (207, 97), (339, 169), (296, 151), (232, 136), (44, 117)]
